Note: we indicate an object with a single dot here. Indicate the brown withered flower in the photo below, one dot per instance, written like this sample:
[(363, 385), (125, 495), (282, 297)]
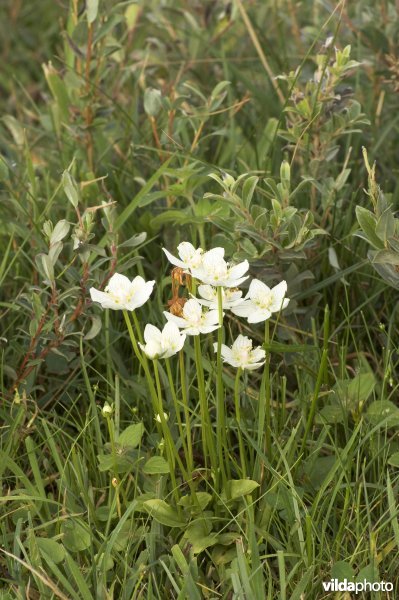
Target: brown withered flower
[(179, 277), (175, 305)]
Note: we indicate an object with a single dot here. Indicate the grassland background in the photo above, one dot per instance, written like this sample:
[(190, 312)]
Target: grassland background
[(129, 99)]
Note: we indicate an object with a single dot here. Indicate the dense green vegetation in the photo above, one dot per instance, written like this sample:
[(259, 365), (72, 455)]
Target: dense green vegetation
[(266, 128)]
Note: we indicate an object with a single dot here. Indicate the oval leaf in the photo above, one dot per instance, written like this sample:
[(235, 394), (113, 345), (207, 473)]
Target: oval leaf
[(163, 513), (156, 465), (131, 436)]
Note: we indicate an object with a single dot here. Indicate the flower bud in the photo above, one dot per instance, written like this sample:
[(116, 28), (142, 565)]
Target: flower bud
[(107, 410), (158, 417)]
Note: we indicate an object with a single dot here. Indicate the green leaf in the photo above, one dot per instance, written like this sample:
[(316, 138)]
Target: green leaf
[(70, 188), (387, 271), (219, 88), (236, 488), (91, 10), (367, 222), (383, 411), (393, 460), (104, 562), (59, 91), (47, 266), (120, 463), (317, 470), (60, 231), (385, 227), (361, 387), (386, 257), (15, 128), (201, 498), (341, 570), (76, 536), (152, 101), (131, 436), (163, 513), (197, 534), (369, 573), (248, 190), (135, 240), (156, 465), (95, 327), (330, 414), (51, 548)]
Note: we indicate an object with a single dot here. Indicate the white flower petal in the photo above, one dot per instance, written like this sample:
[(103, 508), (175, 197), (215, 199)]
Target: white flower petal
[(104, 299), (141, 294), (211, 317), (259, 314), (152, 349), (244, 309), (175, 261), (253, 366), (258, 354), (258, 288), (152, 333), (118, 283), (229, 282), (193, 330), (208, 328), (175, 319), (238, 270), (207, 292), (192, 310)]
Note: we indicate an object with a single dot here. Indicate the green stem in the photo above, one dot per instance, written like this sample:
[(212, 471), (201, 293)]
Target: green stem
[(220, 408), (186, 412), (312, 410), (138, 328), (238, 419), (166, 431), (142, 360), (110, 425), (178, 417), (259, 463), (170, 450), (268, 444), (206, 427)]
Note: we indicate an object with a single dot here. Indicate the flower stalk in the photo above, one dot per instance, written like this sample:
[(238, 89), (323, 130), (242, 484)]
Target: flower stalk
[(220, 408), (238, 419), (187, 451), (208, 445), (170, 449), (186, 409), (268, 444)]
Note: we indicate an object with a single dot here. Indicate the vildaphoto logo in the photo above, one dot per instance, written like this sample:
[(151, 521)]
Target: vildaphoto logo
[(335, 585)]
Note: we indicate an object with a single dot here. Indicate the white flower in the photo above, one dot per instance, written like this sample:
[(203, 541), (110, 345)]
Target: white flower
[(193, 320), (190, 257), (123, 294), (242, 355), (209, 297), (261, 301), (162, 344), (214, 270)]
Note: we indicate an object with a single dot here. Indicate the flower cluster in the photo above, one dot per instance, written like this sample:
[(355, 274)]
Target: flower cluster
[(200, 315)]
